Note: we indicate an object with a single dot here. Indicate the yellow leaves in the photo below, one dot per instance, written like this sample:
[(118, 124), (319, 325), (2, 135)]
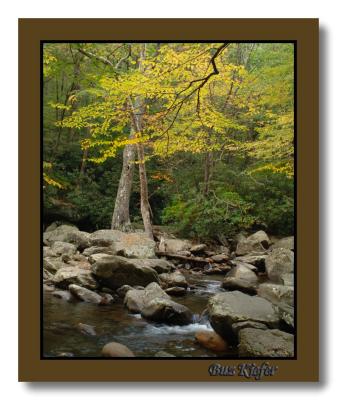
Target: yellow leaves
[(47, 178), (59, 106), (159, 176), (51, 181)]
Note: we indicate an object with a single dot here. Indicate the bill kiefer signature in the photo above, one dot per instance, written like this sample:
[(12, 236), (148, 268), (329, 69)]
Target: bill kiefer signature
[(246, 370)]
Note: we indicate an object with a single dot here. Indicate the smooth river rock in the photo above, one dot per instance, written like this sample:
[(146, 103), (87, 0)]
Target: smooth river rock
[(211, 340), (116, 271), (167, 311), (85, 294), (136, 300), (265, 343), (226, 309), (114, 349), (258, 242), (279, 262)]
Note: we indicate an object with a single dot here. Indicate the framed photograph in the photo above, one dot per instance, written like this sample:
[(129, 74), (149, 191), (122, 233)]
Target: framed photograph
[(168, 200)]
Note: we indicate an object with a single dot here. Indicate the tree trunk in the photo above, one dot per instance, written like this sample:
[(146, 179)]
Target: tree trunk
[(144, 195), (121, 214)]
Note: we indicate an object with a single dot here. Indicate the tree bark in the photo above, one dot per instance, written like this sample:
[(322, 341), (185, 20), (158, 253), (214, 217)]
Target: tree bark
[(121, 214)]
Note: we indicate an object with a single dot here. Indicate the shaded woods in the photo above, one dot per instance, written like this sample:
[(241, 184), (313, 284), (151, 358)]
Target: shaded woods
[(195, 136)]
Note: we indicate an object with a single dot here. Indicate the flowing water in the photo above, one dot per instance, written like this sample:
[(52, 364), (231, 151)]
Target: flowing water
[(113, 323)]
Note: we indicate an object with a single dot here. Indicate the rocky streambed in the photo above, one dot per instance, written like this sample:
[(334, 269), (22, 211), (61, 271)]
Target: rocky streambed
[(116, 294)]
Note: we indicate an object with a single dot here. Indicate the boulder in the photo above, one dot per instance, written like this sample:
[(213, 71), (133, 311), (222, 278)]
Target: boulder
[(106, 299), (48, 252), (285, 243), (105, 237), (241, 278), (265, 343), (98, 249), (63, 294), (123, 290), (258, 242), (277, 293), (258, 260), (279, 262), (167, 311), (114, 349), (174, 245), (52, 264), (243, 285), (61, 248), (226, 309), (198, 248), (174, 279), (135, 245), (85, 294), (72, 275), (247, 324), (135, 300), (58, 234), (211, 340), (220, 258), (48, 288), (116, 271), (242, 272), (47, 276), (286, 313), (287, 279), (158, 264), (79, 238)]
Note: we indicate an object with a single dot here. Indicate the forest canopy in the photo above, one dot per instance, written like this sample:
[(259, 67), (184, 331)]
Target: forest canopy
[(195, 136)]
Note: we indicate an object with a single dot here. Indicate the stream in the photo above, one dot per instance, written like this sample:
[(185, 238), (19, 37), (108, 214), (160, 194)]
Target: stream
[(113, 323)]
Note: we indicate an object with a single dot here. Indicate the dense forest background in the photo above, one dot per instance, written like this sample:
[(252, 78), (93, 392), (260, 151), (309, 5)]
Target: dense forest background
[(209, 126)]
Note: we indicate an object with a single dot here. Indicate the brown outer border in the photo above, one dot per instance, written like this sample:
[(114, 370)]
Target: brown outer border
[(31, 31)]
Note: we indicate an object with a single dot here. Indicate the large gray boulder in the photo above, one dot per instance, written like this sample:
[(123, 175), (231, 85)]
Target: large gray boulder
[(116, 271), (89, 251), (265, 343), (167, 311), (277, 293), (258, 260), (241, 278), (48, 252), (63, 248), (258, 242), (131, 245), (53, 264), (174, 279), (105, 237), (279, 262), (135, 300), (242, 271), (226, 309), (158, 264), (285, 243), (135, 245), (85, 294), (59, 234), (73, 275), (174, 245), (79, 238)]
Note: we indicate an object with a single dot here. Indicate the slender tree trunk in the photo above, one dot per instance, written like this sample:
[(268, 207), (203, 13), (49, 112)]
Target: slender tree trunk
[(145, 209), (208, 171), (121, 214), (144, 195)]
